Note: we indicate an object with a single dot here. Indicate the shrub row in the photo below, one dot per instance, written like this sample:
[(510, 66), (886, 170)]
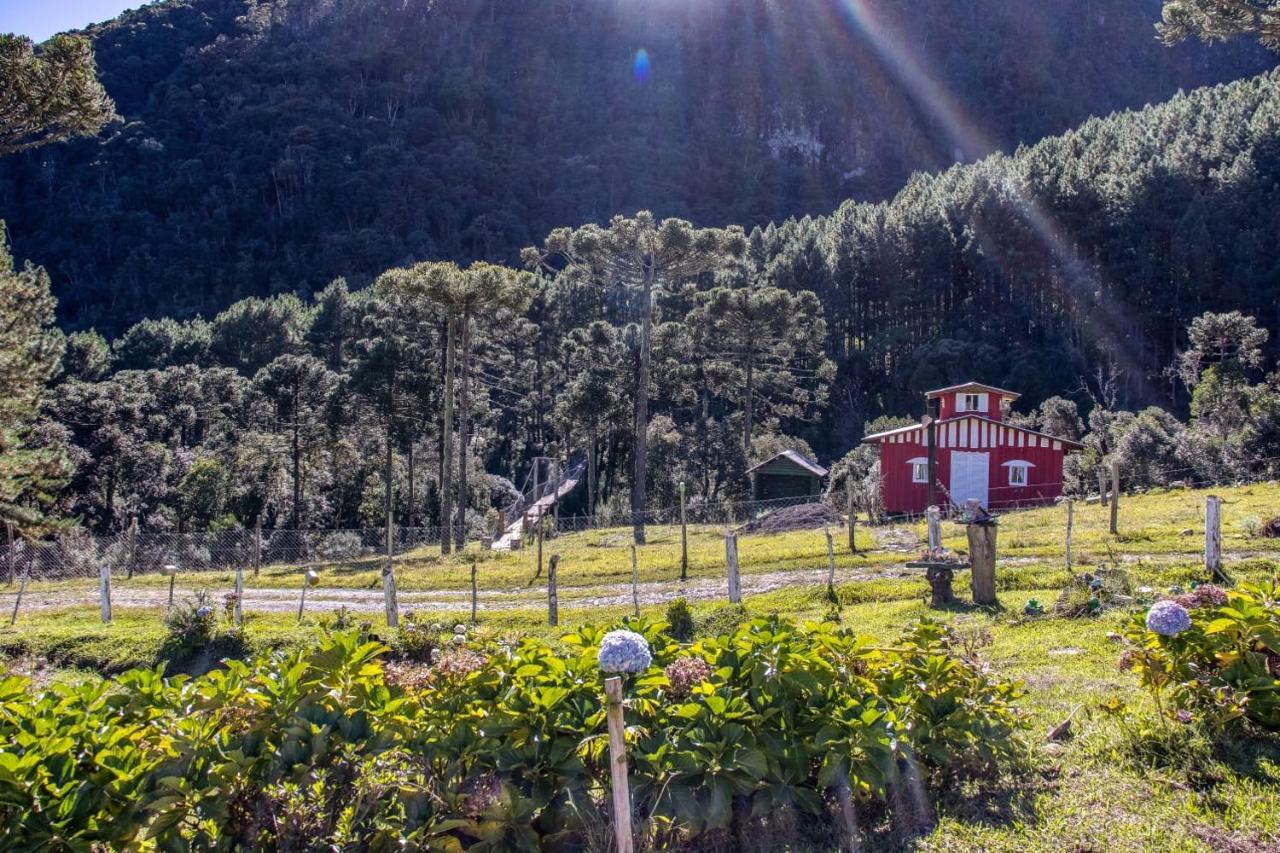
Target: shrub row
[(500, 748)]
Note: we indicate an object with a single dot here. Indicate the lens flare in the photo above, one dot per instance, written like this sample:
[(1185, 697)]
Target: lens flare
[(640, 68)]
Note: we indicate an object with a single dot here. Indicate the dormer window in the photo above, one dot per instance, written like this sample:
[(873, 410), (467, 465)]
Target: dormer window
[(971, 402)]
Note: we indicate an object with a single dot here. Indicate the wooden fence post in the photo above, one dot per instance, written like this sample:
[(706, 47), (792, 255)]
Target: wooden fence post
[(133, 547), (935, 527), (390, 605), (635, 582), (1102, 483), (731, 561), (257, 547), (1070, 525), (618, 765), (473, 593), (309, 578), (553, 602), (1213, 537), (239, 611), (831, 563), (17, 602), (104, 590), (982, 560), (684, 536), (1115, 496), (852, 512), (12, 552)]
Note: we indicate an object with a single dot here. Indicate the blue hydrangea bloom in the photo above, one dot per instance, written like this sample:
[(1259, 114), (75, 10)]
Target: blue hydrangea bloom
[(1168, 618), (624, 651), (204, 612)]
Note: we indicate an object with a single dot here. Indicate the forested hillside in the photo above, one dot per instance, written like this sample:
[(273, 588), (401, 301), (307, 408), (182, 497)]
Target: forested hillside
[(1077, 266), (269, 147)]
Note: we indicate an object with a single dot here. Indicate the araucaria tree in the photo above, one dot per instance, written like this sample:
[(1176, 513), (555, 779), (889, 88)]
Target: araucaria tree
[(49, 95), (770, 344), (465, 298), (643, 257), (1219, 20), (30, 349), (296, 388)]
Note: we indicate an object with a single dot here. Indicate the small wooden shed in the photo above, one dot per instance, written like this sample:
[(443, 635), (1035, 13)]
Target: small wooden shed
[(787, 475)]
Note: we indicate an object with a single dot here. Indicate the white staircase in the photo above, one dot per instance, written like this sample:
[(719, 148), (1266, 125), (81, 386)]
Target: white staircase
[(534, 512)]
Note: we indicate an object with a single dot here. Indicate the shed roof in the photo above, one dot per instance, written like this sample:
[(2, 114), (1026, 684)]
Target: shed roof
[(975, 386), (812, 467)]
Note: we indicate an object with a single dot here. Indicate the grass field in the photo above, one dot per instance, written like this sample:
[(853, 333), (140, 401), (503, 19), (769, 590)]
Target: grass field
[(1109, 787)]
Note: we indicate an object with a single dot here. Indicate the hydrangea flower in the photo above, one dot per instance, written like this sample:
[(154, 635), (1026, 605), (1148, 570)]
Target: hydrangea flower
[(1168, 618), (459, 628), (459, 639), (204, 612), (1204, 595), (684, 674), (624, 651)]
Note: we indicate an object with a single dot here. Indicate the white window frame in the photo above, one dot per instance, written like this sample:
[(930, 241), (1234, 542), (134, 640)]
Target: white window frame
[(919, 469), (1022, 467), (970, 402)]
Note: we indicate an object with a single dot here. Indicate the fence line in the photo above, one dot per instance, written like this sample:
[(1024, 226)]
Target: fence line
[(81, 554)]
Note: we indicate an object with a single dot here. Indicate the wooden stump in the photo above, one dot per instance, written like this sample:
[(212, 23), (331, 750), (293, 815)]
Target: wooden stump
[(618, 765), (982, 557), (940, 578)]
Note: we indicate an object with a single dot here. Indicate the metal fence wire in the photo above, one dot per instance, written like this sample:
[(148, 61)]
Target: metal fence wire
[(81, 555)]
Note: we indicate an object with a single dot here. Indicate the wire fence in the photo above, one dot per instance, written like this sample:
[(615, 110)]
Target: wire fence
[(140, 552)]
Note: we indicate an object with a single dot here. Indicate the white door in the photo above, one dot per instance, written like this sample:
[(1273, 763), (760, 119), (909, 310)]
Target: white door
[(970, 477)]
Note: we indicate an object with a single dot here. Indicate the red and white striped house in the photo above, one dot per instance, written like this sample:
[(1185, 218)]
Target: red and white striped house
[(978, 455)]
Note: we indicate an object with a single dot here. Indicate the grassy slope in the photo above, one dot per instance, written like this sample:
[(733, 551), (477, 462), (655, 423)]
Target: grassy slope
[(1092, 793)]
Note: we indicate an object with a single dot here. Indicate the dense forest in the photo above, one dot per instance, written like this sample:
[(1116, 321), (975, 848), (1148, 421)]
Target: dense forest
[(1079, 270), (270, 147), (1077, 266)]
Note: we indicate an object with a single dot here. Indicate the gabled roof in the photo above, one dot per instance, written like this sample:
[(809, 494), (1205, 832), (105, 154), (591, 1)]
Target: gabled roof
[(974, 386), (889, 433), (812, 467)]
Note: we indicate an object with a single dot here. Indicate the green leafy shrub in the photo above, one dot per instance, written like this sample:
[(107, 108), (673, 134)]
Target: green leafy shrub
[(1225, 667), (680, 626), (499, 751), (191, 626)]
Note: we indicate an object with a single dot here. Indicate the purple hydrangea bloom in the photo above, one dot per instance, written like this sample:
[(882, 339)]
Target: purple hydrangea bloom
[(1168, 618), (624, 651), (204, 612)]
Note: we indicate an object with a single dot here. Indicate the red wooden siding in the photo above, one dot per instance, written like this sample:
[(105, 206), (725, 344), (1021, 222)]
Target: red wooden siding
[(1003, 443)]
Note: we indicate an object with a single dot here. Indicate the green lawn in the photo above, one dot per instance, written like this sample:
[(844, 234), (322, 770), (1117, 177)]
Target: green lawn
[(1103, 789)]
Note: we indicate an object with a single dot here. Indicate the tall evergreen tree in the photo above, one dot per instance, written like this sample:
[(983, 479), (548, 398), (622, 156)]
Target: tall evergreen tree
[(644, 257), (50, 94)]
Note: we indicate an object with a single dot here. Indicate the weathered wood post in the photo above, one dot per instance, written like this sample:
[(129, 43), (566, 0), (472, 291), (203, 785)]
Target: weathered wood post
[(389, 601), (1102, 482), (1071, 511), (553, 602), (239, 610), (1213, 536), (1115, 496), (170, 571), (309, 578), (104, 590), (11, 550), (851, 510), (982, 559), (17, 602), (473, 593), (731, 561), (538, 574), (257, 547), (831, 563), (133, 547), (618, 765), (635, 582), (934, 515), (684, 536)]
